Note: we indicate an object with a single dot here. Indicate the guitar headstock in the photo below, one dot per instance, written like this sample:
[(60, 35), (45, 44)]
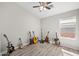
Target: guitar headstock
[(33, 32), (5, 35)]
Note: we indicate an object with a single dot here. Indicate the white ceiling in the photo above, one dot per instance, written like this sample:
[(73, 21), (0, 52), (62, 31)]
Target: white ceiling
[(59, 7)]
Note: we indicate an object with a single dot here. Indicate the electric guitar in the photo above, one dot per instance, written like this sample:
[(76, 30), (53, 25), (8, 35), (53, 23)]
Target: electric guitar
[(42, 40), (30, 38), (47, 38), (56, 40), (10, 46), (35, 39)]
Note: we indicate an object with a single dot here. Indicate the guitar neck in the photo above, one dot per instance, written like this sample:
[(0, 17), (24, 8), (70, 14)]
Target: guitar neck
[(56, 35)]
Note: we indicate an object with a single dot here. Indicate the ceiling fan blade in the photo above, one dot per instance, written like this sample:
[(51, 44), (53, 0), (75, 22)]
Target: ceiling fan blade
[(47, 7), (35, 6), (48, 2), (51, 6)]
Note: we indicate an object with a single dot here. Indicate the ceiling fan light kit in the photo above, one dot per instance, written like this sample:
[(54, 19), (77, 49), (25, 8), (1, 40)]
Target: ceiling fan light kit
[(43, 6)]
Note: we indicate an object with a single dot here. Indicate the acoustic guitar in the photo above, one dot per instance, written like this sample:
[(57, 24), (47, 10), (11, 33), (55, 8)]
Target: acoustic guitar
[(47, 38), (35, 39)]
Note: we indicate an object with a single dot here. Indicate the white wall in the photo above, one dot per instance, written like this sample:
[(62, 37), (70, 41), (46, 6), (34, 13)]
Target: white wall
[(0, 47), (16, 22), (52, 24)]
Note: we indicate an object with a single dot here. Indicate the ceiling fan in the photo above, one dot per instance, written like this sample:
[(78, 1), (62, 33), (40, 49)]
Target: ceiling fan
[(44, 6)]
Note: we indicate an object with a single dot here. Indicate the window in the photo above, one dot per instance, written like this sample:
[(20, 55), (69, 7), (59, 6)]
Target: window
[(68, 27)]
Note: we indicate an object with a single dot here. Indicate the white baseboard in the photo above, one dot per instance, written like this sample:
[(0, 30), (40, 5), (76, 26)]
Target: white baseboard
[(4, 52), (68, 53), (22, 46), (25, 44), (70, 46)]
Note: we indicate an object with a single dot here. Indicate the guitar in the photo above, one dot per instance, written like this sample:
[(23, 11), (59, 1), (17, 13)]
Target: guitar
[(30, 38), (47, 38), (35, 39), (56, 40), (20, 43), (42, 40), (10, 47)]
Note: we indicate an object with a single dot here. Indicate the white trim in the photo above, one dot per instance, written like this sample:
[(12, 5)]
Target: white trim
[(4, 52), (70, 53), (70, 46), (23, 45)]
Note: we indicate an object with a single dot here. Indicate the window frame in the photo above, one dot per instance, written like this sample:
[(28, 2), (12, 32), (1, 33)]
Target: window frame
[(60, 25)]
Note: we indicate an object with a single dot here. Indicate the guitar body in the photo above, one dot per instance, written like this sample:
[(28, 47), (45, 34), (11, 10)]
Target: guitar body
[(57, 42), (35, 40), (20, 43), (42, 41), (32, 40), (47, 39)]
